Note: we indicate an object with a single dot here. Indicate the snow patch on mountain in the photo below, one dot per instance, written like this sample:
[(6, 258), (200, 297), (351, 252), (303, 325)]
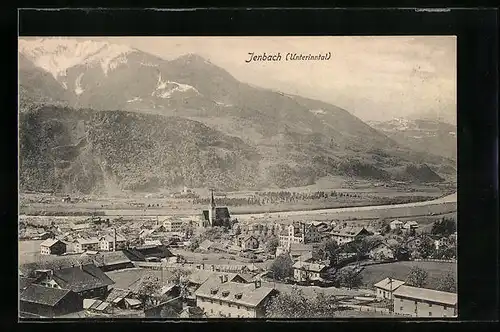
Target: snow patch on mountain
[(57, 55), (134, 100), (78, 86), (319, 111), (165, 89)]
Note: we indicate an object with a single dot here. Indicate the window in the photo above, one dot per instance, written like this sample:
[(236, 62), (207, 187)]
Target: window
[(229, 305), (211, 311), (211, 301), (238, 306), (229, 315), (430, 314), (401, 308), (430, 305)]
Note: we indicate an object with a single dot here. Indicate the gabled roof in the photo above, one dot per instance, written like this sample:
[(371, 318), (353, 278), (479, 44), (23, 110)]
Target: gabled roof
[(309, 266), (49, 242), (81, 278), (227, 291), (205, 245), (117, 294), (43, 295), (349, 231), (113, 258), (385, 284), (25, 282), (92, 240), (426, 295)]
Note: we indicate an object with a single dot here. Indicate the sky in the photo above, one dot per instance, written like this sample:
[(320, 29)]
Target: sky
[(375, 78)]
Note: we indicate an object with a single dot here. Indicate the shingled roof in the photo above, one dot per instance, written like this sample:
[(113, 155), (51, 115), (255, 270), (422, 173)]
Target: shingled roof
[(81, 278), (43, 295)]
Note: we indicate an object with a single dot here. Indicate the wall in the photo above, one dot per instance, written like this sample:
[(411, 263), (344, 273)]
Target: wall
[(231, 310), (403, 306)]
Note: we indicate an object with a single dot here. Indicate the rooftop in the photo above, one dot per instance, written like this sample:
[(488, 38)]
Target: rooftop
[(43, 295), (309, 266), (49, 242), (385, 284), (244, 294), (80, 278), (426, 295)]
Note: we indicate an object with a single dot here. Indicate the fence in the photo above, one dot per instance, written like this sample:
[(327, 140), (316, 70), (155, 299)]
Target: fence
[(367, 308), (435, 260)]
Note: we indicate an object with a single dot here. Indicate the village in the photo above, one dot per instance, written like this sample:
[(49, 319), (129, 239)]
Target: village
[(211, 265)]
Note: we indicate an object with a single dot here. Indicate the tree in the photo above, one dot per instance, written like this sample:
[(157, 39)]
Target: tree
[(329, 249), (349, 278), (444, 227), (272, 244), (168, 312), (148, 287), (426, 248), (295, 304), (416, 277), (448, 283), (282, 267)]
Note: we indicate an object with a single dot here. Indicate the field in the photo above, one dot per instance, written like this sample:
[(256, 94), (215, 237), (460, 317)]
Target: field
[(399, 270)]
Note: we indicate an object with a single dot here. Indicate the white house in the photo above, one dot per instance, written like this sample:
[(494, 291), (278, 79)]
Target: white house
[(396, 224), (386, 287), (410, 225), (422, 302)]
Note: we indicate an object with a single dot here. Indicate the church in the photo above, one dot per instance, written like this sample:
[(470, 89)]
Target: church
[(216, 216)]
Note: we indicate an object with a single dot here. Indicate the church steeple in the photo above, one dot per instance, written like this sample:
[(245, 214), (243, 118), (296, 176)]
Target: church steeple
[(211, 210)]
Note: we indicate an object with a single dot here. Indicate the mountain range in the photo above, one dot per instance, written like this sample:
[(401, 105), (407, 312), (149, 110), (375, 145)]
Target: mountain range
[(95, 116)]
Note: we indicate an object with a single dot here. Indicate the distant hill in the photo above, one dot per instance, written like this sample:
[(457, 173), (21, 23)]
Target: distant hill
[(96, 116), (430, 136)]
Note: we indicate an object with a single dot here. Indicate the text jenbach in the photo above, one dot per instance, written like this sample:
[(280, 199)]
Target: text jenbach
[(273, 57)]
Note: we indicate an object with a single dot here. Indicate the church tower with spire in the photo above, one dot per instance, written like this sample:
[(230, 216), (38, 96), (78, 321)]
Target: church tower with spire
[(211, 210)]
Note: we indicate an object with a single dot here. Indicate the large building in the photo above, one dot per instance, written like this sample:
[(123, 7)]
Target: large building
[(299, 233), (87, 280), (422, 302), (219, 297), (216, 216), (173, 225), (82, 245), (304, 271)]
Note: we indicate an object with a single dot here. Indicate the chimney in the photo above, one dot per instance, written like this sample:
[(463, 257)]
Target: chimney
[(212, 267), (225, 278), (257, 284), (221, 279)]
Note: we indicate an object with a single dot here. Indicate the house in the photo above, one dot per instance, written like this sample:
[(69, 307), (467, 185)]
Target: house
[(80, 227), (52, 247), (88, 244), (87, 280), (173, 225), (386, 287), (219, 297), (422, 302), (381, 251), (321, 226), (299, 233), (411, 225), (296, 250), (107, 242), (442, 242), (45, 301), (152, 243), (205, 245), (304, 271), (396, 224), (248, 242), (343, 235), (172, 306)]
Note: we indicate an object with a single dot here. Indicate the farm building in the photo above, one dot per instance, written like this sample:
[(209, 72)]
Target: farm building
[(344, 235), (381, 251), (52, 247), (422, 302), (87, 280), (303, 271), (44, 301)]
